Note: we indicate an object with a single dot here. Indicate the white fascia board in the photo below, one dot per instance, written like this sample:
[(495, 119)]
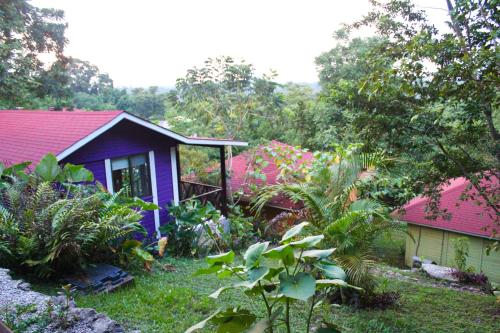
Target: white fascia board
[(190, 141)]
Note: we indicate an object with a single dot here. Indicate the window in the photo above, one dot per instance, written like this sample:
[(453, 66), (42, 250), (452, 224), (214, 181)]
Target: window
[(132, 173)]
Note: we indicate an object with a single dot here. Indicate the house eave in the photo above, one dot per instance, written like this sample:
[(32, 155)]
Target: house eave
[(452, 230), (147, 124)]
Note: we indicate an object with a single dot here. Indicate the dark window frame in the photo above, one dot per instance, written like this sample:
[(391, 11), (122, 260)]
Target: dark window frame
[(149, 183)]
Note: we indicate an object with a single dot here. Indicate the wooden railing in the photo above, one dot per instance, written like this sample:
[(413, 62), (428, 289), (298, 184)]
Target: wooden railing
[(201, 192)]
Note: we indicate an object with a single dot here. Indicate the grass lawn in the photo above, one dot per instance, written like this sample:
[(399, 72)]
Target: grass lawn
[(173, 301)]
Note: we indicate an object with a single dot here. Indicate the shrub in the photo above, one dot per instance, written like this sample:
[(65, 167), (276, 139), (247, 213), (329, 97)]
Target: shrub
[(476, 279), (295, 271), (54, 222)]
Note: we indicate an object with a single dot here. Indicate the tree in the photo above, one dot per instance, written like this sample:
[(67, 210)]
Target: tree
[(85, 77), (433, 94), (26, 32), (228, 97)]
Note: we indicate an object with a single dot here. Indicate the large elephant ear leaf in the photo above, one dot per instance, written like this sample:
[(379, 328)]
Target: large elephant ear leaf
[(77, 173), (233, 320), (300, 286), (224, 258), (293, 232), (253, 254), (307, 242), (48, 168), (202, 323), (332, 271)]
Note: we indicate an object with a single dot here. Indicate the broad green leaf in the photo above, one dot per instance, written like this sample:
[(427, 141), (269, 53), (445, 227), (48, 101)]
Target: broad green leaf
[(307, 242), (48, 168), (253, 254), (332, 271), (300, 286), (202, 323), (242, 284), (129, 244), (76, 173), (293, 232), (208, 270), (233, 320), (225, 258), (324, 283), (273, 272), (320, 254), (257, 274), (283, 253)]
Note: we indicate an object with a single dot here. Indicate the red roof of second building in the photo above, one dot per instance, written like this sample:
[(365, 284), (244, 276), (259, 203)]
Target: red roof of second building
[(466, 216), (241, 164), (27, 135)]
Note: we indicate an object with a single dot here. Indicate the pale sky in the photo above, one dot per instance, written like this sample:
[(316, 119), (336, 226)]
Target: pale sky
[(148, 42)]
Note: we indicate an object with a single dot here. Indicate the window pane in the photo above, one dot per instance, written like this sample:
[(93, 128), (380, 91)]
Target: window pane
[(132, 173), (137, 160), (121, 179), (119, 163)]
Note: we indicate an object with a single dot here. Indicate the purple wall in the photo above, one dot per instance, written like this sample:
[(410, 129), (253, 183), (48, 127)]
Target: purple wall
[(127, 138)]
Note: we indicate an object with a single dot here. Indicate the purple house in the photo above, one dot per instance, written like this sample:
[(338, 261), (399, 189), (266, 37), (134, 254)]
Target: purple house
[(122, 150)]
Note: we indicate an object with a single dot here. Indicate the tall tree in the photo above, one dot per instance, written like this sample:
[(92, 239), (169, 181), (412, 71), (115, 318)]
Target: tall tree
[(26, 32), (444, 85)]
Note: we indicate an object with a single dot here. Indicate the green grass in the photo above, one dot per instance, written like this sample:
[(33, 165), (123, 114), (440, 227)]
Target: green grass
[(173, 301)]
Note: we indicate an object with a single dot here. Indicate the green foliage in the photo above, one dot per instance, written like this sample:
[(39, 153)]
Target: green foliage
[(461, 248), (280, 276), (55, 231), (350, 222), (183, 238), (27, 32)]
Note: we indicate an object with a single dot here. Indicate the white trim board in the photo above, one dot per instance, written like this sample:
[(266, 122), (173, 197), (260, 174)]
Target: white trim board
[(154, 191), (109, 175), (127, 116), (175, 176)]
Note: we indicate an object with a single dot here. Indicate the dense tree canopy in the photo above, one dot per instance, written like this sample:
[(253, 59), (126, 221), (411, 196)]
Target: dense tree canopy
[(26, 32)]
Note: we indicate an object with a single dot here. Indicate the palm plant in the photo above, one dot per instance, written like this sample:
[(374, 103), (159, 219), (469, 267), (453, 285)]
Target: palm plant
[(332, 204)]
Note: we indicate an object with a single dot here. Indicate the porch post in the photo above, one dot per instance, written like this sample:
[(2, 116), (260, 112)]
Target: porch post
[(223, 180), (179, 179)]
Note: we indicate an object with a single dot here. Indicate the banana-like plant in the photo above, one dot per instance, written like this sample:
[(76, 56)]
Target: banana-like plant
[(294, 271), (329, 194)]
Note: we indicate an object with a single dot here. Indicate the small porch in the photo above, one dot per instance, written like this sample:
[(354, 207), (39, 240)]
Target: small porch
[(217, 194)]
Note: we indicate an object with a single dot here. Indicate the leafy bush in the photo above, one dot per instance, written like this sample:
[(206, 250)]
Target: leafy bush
[(52, 222), (198, 229), (476, 279), (295, 271), (183, 237)]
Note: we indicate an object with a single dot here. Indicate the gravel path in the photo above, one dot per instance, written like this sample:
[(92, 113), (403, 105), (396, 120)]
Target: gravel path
[(61, 318)]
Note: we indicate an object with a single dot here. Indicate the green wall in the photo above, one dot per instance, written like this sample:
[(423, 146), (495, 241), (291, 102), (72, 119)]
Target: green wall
[(437, 245)]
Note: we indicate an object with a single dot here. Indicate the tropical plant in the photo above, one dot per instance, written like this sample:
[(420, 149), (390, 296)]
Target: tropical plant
[(333, 205), (461, 249), (294, 271), (54, 223), (192, 232)]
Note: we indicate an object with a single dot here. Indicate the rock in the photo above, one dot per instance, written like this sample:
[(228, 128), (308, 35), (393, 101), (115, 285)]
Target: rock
[(439, 272), (416, 262), (104, 324), (24, 286)]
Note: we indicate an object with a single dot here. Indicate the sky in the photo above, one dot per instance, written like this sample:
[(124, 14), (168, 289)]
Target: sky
[(148, 42)]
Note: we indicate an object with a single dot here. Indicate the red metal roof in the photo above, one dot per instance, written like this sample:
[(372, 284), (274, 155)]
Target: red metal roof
[(27, 135), (466, 215), (240, 168)]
